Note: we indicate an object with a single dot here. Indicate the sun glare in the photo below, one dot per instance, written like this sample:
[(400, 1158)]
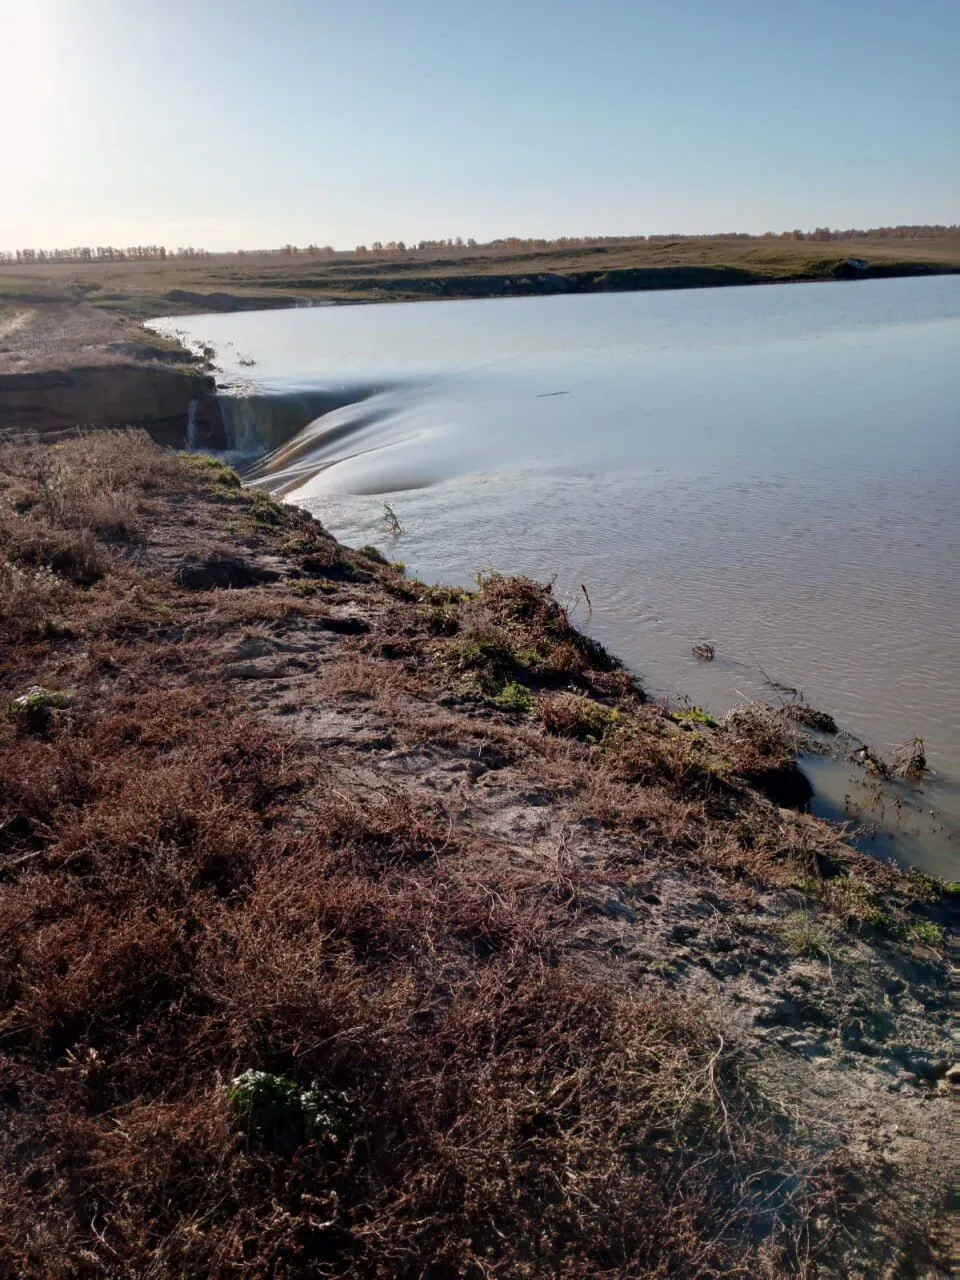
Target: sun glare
[(28, 84)]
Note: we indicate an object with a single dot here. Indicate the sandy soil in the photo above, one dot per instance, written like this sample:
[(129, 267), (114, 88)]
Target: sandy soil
[(34, 339)]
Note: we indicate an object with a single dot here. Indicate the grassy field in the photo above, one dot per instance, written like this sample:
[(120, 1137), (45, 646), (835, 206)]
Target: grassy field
[(139, 289)]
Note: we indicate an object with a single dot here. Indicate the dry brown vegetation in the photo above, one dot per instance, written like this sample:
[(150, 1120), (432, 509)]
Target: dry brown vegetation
[(196, 884), (176, 286)]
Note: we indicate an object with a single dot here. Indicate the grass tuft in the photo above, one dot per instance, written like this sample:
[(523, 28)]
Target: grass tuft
[(572, 716), (928, 933), (213, 469), (695, 715), (512, 697), (283, 1115), (807, 934), (372, 553)]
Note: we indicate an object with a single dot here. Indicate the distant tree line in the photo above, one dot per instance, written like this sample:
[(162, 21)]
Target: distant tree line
[(935, 232), (397, 248), (101, 253), (309, 251)]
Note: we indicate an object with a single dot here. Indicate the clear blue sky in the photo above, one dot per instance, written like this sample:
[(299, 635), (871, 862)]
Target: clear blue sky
[(242, 123)]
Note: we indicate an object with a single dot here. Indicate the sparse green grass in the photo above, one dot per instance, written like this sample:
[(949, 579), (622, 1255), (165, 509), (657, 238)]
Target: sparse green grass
[(928, 933), (284, 1115), (514, 629), (808, 934), (809, 885), (32, 711), (696, 715), (214, 468), (881, 921), (372, 553), (512, 697), (925, 888), (861, 906), (856, 901), (487, 655), (263, 508), (440, 619), (850, 895), (447, 597), (315, 587)]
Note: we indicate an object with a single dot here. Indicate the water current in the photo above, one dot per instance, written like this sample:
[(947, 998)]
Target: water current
[(773, 469)]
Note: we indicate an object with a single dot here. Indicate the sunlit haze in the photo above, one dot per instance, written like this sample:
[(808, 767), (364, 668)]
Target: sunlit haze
[(243, 123)]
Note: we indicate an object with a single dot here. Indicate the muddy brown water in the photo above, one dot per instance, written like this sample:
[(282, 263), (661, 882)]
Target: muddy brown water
[(772, 469)]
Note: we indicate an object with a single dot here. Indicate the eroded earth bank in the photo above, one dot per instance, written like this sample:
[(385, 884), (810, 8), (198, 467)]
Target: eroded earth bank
[(67, 363), (355, 927)]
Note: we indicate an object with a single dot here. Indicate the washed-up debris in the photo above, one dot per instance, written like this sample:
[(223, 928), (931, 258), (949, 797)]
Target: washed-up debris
[(867, 757), (910, 760), (804, 714)]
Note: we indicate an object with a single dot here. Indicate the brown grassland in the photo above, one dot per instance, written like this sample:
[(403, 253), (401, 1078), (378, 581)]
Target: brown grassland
[(141, 289), (544, 979)]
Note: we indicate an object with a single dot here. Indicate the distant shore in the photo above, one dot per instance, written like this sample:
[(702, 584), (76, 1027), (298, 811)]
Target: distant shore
[(233, 282)]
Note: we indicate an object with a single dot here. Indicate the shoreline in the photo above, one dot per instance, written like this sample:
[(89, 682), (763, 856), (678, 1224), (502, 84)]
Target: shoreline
[(470, 795), (136, 290), (168, 388)]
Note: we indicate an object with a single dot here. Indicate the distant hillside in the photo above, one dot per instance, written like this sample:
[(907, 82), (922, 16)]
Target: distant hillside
[(171, 284)]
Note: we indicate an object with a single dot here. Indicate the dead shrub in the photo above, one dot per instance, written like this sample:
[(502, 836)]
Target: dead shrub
[(94, 482), (801, 711), (73, 555), (126, 461), (570, 716), (909, 761), (514, 629), (653, 752), (394, 833), (29, 598), (59, 504), (81, 500), (759, 738)]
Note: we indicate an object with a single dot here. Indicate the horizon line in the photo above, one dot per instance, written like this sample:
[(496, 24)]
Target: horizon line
[(149, 252)]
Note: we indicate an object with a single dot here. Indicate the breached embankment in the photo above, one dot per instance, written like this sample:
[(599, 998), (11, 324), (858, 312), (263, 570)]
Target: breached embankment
[(182, 409), (74, 365), (258, 424), (158, 399)]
